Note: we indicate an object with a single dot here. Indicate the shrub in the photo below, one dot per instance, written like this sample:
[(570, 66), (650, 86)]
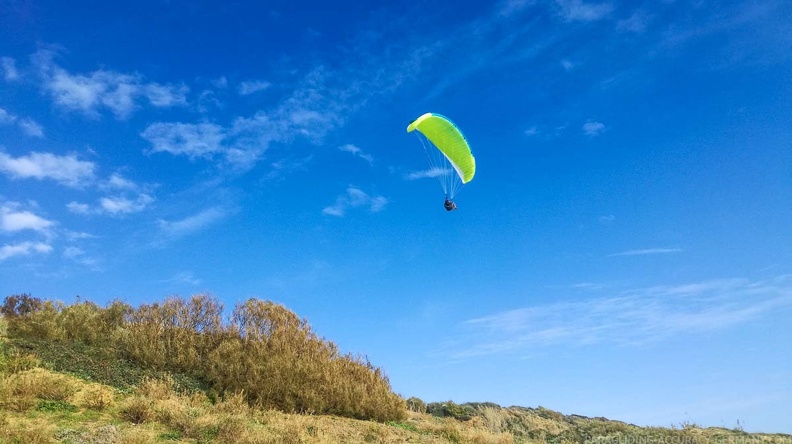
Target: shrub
[(13, 361), (416, 405), (55, 406), (451, 409), (42, 323), (38, 383), (137, 410), (95, 397), (28, 431)]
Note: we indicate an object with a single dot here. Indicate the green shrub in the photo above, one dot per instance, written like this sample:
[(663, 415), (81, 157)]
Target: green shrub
[(46, 405), (451, 410), (416, 405)]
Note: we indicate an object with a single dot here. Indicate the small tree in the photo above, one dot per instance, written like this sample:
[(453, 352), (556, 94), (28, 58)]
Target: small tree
[(20, 305)]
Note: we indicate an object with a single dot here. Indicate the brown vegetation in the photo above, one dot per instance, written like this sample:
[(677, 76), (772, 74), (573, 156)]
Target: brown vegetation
[(264, 351)]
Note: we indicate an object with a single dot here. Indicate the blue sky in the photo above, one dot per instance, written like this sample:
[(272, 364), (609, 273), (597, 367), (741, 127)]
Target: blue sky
[(623, 251)]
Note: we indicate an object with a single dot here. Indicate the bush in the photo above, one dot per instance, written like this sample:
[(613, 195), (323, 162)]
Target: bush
[(95, 397), (416, 405), (137, 410), (40, 384), (451, 409), (13, 361)]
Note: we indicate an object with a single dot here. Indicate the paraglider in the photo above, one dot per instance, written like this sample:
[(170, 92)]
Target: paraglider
[(450, 158), (449, 205)]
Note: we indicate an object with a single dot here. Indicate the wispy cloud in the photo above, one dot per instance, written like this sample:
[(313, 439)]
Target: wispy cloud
[(6, 118), (23, 249), (67, 170), (647, 251), (592, 129), (102, 89), (191, 224), (424, 174), (119, 182), (113, 205), (201, 140), (31, 128), (123, 205), (507, 8), (183, 277), (637, 23), (629, 317), (78, 255), (607, 220), (578, 10), (10, 72), (355, 198), (253, 86), (28, 126), (355, 151), (316, 101)]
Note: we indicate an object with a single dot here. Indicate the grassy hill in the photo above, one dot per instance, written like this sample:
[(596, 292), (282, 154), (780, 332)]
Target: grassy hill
[(177, 373)]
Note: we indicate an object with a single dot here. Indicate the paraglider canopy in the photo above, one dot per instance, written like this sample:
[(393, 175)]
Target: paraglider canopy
[(450, 158)]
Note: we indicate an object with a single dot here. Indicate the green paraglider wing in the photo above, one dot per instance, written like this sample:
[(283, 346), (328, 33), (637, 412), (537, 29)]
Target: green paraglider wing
[(449, 140)]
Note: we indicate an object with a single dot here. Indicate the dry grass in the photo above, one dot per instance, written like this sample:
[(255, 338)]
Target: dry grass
[(25, 430), (95, 397), (20, 391)]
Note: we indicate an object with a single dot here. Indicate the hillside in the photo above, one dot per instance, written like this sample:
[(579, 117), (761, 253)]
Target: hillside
[(85, 388)]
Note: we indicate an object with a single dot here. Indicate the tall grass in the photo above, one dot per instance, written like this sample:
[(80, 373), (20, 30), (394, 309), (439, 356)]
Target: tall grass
[(262, 350)]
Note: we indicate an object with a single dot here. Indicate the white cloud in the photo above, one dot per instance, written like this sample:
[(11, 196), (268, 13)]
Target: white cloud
[(118, 181), (202, 140), (12, 220), (355, 151), (630, 317), (184, 277), (113, 206), (23, 249), (507, 8), (430, 173), (637, 23), (10, 72), (28, 126), (122, 205), (253, 86), (532, 131), (78, 208), (67, 170), (593, 128), (355, 198), (220, 83), (647, 252), (31, 128), (192, 223), (577, 10), (79, 256), (6, 118), (605, 220), (567, 65), (164, 96), (72, 252), (100, 89)]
